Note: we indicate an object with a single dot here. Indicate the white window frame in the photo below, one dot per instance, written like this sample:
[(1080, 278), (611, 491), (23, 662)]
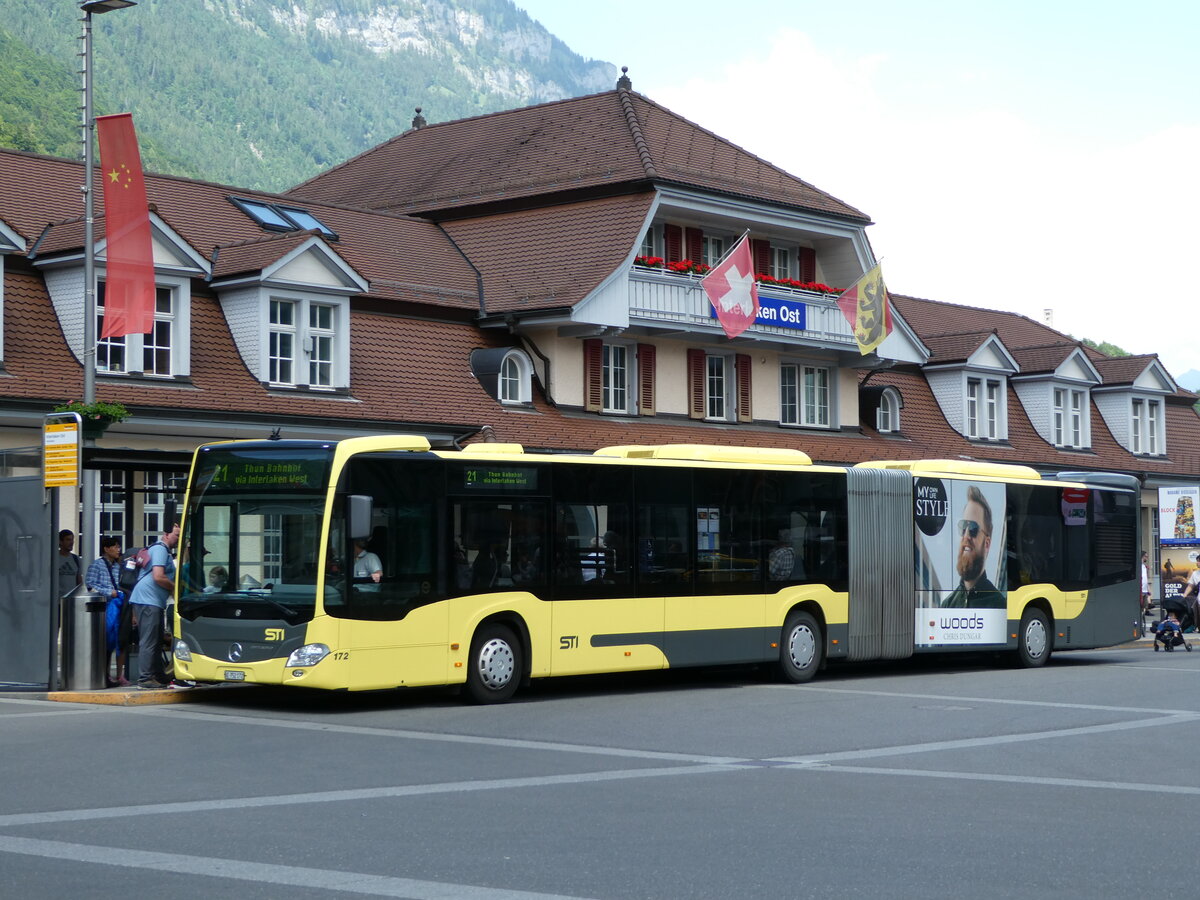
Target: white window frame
[(311, 340), (781, 262), (134, 347), (1070, 422), (279, 333), (984, 416), (1146, 422), (720, 404), (618, 378), (514, 384), (321, 345), (812, 385), (887, 416), (647, 246), (713, 248)]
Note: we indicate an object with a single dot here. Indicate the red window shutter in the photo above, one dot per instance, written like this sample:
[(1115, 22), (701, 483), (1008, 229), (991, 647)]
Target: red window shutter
[(593, 374), (808, 264), (695, 245), (762, 256), (673, 242), (695, 370), (645, 367), (742, 367)]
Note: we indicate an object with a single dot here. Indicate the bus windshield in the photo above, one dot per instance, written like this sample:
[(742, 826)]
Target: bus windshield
[(252, 532)]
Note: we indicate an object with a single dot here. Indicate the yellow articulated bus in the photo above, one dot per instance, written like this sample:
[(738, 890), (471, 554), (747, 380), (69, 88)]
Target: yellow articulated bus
[(376, 562)]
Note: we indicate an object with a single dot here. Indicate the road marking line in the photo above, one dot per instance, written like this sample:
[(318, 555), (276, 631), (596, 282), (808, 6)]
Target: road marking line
[(959, 698), (514, 743), (1140, 787), (378, 793), (994, 740), (264, 873)]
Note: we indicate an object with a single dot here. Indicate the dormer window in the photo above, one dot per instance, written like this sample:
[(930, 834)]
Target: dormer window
[(303, 342), (1145, 426), (1070, 418), (985, 409), (516, 376), (887, 416), (154, 353)]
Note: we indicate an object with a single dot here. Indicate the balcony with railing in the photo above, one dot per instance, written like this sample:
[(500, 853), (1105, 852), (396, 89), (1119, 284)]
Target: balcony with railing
[(661, 298)]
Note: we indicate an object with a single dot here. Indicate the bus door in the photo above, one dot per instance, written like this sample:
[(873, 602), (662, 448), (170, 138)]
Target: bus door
[(604, 619), (386, 588), (715, 611)]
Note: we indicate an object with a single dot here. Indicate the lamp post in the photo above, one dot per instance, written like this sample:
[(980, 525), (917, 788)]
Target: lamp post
[(90, 8)]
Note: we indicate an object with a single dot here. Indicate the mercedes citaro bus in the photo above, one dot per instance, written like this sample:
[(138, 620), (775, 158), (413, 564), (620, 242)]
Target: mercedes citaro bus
[(376, 562)]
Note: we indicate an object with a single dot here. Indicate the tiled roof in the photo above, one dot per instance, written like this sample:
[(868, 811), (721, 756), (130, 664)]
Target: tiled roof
[(1123, 369), (604, 142), (931, 436), (402, 258), (1038, 360), (932, 317), (947, 348), (255, 255), (552, 256)]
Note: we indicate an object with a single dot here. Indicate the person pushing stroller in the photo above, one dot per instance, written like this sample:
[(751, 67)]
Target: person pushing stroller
[(1169, 633)]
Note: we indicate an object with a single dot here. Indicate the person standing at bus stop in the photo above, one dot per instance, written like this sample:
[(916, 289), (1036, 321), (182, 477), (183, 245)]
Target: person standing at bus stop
[(149, 598)]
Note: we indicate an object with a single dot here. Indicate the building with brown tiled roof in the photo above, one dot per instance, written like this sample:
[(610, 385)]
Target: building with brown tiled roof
[(532, 276)]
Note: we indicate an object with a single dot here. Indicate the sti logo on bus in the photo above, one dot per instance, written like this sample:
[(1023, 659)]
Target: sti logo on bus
[(568, 642), (274, 634)]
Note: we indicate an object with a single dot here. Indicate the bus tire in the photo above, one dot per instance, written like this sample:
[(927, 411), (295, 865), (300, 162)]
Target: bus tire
[(1034, 639), (801, 648), (495, 666)]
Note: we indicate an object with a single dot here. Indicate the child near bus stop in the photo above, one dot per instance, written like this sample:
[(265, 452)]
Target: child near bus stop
[(1169, 633)]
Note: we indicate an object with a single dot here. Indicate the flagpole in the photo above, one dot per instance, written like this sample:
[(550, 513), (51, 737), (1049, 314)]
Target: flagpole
[(88, 485), (87, 538)]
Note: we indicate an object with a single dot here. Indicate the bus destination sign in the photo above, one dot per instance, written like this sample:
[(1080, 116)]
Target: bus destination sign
[(500, 478), (230, 474)]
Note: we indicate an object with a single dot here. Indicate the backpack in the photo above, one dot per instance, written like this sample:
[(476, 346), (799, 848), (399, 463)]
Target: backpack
[(134, 565)]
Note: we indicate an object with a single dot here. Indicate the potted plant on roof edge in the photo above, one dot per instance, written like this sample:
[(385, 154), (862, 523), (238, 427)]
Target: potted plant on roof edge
[(95, 417)]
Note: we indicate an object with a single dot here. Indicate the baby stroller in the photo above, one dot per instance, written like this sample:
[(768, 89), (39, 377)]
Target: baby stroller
[(1169, 632), (1182, 611)]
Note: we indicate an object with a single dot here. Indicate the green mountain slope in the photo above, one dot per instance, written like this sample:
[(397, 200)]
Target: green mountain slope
[(266, 93)]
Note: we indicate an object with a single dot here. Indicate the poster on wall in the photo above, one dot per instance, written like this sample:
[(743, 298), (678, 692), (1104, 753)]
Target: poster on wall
[(961, 596), (1178, 565), (1177, 514)]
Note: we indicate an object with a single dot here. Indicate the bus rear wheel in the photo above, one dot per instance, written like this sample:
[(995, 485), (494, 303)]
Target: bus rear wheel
[(800, 649), (495, 665), (1034, 639)]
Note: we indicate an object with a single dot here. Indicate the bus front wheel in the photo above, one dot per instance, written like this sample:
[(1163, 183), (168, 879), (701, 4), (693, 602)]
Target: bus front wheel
[(1034, 639), (800, 649), (494, 669)]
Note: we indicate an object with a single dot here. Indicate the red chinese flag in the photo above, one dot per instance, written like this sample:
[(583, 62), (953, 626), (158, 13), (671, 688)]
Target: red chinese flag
[(731, 288), (129, 254)]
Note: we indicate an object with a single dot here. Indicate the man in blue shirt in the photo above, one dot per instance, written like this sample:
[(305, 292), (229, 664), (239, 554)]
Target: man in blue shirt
[(149, 598)]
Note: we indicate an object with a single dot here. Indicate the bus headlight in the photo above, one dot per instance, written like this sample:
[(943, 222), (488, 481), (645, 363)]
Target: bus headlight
[(182, 652), (308, 655)]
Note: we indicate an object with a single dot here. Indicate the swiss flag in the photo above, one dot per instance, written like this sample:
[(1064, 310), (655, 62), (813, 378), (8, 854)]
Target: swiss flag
[(731, 288)]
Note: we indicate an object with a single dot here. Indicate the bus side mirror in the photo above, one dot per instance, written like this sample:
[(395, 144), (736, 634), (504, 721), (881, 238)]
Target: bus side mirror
[(359, 516)]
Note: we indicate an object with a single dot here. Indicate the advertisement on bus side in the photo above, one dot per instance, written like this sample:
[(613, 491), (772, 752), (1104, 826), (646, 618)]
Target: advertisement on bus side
[(961, 598)]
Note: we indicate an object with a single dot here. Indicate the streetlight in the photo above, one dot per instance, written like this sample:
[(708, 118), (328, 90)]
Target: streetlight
[(90, 8)]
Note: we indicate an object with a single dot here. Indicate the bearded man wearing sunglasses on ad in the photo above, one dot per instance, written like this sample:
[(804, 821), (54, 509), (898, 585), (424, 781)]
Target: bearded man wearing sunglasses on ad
[(974, 590)]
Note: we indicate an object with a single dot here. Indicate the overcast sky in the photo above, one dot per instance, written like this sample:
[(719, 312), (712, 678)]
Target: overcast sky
[(1015, 155)]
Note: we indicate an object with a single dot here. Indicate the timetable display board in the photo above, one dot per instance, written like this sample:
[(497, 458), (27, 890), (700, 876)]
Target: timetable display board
[(61, 443)]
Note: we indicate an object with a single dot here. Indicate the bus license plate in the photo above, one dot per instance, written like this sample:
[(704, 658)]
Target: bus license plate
[(234, 675)]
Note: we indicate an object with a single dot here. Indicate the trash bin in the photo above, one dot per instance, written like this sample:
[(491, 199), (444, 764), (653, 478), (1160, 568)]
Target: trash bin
[(84, 654)]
